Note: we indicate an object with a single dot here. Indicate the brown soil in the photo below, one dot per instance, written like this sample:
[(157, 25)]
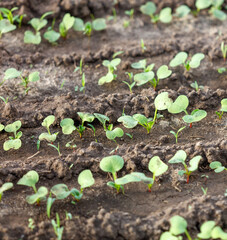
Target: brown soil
[(101, 213)]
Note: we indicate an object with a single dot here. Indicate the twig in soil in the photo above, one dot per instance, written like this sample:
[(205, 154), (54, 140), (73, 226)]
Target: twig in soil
[(34, 155)]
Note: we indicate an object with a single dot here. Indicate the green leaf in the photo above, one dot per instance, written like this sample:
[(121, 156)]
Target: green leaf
[(196, 59), (165, 15), (178, 225), (48, 137), (157, 166), (67, 125), (29, 179), (13, 127), (179, 59), (149, 8), (12, 144), (162, 101), (112, 163), (115, 62), (6, 186), (180, 105), (196, 116), (224, 105), (127, 179), (11, 73), (30, 37), (206, 229), (141, 119), (99, 24), (6, 26), (217, 232), (194, 163), (41, 193), (181, 172), (85, 179), (48, 121), (168, 236), (51, 36), (34, 77), (38, 23), (139, 65), (61, 191), (78, 25), (86, 117), (106, 79), (217, 166), (182, 11), (143, 78), (163, 72), (128, 121), (179, 157), (143, 178), (102, 118), (68, 21), (117, 132), (219, 14), (202, 4)]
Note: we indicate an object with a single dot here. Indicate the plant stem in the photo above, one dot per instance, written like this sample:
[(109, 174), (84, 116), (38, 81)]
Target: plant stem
[(187, 234), (190, 125)]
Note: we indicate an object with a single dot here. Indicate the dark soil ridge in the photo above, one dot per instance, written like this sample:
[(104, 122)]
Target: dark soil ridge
[(126, 226)]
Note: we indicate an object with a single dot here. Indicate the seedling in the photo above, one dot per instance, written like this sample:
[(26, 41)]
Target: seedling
[(30, 179), (112, 134), (5, 100), (66, 24), (196, 116), (47, 122), (117, 54), (224, 50), (130, 75), (98, 24), (181, 57), (216, 11), (177, 133), (180, 105), (162, 73), (112, 66), (222, 70), (217, 166), (182, 11), (142, 64), (58, 230), (6, 26), (5, 187), (50, 202), (37, 24), (130, 13), (85, 180), (130, 86), (196, 86), (85, 117), (143, 121), (180, 157), (8, 13), (93, 129), (13, 142), (80, 67), (165, 15), (204, 190), (102, 119), (70, 145), (31, 224), (142, 45), (112, 164), (223, 108), (55, 147)]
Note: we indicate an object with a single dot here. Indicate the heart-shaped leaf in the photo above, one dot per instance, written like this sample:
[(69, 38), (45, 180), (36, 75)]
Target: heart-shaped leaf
[(115, 62), (143, 78), (29, 179), (78, 25), (128, 121), (11, 73), (51, 36), (180, 105), (99, 24), (13, 127), (139, 65), (61, 191), (41, 193), (85, 179), (86, 117), (182, 11), (30, 37), (217, 232), (102, 118), (12, 144), (6, 26), (162, 101), (38, 23), (202, 4), (206, 229), (6, 186), (179, 59), (48, 121), (48, 137), (34, 77), (163, 72), (143, 178), (178, 225), (67, 125), (196, 116), (157, 166), (148, 9), (194, 163), (112, 163), (106, 79), (117, 132), (68, 21), (141, 119), (196, 59), (165, 15), (127, 179), (168, 236), (217, 166), (179, 157)]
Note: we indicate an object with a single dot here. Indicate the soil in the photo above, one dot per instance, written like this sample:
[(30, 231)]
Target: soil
[(101, 213)]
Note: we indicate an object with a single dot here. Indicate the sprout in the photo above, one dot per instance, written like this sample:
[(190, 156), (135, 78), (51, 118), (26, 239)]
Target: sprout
[(5, 187), (223, 108), (196, 116), (66, 24), (217, 166), (112, 134), (224, 50), (58, 230), (143, 121), (102, 119), (196, 86), (177, 133)]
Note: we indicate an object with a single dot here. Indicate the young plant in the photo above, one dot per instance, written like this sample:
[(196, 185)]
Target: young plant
[(112, 66), (216, 11), (50, 202), (165, 15), (5, 187), (143, 121), (85, 117), (6, 26), (142, 64), (13, 142), (223, 108), (66, 24), (30, 179), (85, 180), (180, 105), (80, 67), (102, 119), (55, 147), (112, 134), (196, 86), (196, 116), (217, 166), (182, 11), (47, 122), (8, 13), (58, 230), (224, 50), (5, 100), (37, 24), (142, 45), (31, 224), (180, 157), (98, 24), (130, 86), (181, 57), (130, 13), (175, 134)]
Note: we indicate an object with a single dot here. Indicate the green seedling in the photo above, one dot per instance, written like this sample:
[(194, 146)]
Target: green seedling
[(112, 164), (5, 100), (58, 230), (98, 24), (143, 121), (196, 86), (13, 142), (83, 82), (112, 134), (85, 180), (222, 70), (85, 117), (224, 50), (31, 224), (70, 145), (130, 75), (6, 26), (129, 135), (51, 36), (50, 202), (47, 122), (5, 187), (181, 57), (177, 133), (102, 119), (223, 108), (80, 67), (180, 105), (37, 24), (130, 86), (217, 166), (112, 66), (165, 15), (142, 45), (30, 179), (8, 13), (216, 11), (204, 190), (196, 116), (66, 24), (93, 129), (145, 77), (180, 157), (130, 13), (55, 147), (68, 216), (117, 54), (142, 64), (182, 11), (128, 121)]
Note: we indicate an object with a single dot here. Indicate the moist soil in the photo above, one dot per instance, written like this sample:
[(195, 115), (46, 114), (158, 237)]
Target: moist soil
[(101, 213)]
